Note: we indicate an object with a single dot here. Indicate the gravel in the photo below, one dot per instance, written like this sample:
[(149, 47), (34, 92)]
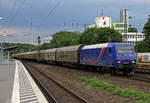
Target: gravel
[(69, 78)]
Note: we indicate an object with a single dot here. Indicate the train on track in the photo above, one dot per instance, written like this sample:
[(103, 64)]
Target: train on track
[(118, 57), (143, 57)]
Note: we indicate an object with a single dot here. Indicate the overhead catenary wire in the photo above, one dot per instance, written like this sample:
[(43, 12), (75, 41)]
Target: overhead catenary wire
[(49, 2), (17, 12), (13, 7), (31, 21), (50, 12), (145, 13), (16, 9), (134, 22)]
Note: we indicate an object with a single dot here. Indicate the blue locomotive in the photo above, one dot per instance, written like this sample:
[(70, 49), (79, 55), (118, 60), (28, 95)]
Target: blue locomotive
[(117, 56)]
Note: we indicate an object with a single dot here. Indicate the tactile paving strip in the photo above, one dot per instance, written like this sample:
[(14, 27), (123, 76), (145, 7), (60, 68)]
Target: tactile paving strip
[(27, 94), (25, 89)]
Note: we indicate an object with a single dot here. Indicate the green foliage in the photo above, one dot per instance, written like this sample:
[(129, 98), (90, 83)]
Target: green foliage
[(107, 76), (131, 29), (45, 46), (144, 46), (125, 92), (126, 99), (100, 35), (64, 38), (146, 29)]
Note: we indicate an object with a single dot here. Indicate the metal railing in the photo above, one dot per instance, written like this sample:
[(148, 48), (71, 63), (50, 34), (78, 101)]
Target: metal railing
[(4, 58)]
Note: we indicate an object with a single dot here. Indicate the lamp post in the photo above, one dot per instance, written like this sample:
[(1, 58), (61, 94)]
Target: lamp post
[(39, 43), (2, 49), (1, 18), (0, 46)]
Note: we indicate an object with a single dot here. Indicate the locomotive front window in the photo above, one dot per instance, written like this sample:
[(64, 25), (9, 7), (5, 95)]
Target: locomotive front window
[(125, 49)]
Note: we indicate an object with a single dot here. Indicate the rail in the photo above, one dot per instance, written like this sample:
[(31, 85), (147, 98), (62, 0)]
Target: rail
[(51, 98), (76, 96)]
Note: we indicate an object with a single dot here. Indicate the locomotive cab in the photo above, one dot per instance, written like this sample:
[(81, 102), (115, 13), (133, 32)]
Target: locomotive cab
[(125, 58)]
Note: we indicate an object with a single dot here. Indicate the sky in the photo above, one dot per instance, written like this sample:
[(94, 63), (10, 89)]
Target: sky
[(24, 20)]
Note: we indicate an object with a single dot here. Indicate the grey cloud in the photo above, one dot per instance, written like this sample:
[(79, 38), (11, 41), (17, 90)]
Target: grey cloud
[(81, 11)]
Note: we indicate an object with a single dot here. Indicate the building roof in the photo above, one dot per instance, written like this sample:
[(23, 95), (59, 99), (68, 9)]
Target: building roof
[(8, 48)]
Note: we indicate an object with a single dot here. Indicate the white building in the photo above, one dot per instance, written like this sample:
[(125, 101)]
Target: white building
[(124, 16), (102, 22), (92, 25), (133, 37), (121, 26)]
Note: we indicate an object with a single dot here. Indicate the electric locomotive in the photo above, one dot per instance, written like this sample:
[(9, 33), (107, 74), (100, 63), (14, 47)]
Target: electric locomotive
[(117, 56)]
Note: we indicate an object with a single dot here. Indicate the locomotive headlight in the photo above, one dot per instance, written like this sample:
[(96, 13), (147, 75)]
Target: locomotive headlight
[(133, 61), (119, 62)]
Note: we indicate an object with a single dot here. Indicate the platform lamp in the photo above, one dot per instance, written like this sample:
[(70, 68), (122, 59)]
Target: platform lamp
[(1, 35), (1, 49)]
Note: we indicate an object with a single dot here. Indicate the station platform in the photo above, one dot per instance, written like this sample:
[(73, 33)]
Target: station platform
[(17, 85)]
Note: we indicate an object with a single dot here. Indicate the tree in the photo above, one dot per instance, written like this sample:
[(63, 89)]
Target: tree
[(131, 29), (45, 46), (64, 38), (146, 29), (144, 46), (100, 35)]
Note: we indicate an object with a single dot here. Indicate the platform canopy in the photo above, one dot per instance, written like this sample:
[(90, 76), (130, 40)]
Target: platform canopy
[(8, 48)]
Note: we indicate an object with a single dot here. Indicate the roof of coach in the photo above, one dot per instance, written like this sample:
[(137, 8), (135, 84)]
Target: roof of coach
[(27, 53), (70, 48), (42, 51), (50, 50), (32, 52)]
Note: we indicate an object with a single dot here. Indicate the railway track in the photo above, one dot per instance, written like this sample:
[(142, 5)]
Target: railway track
[(139, 78), (57, 92), (143, 70), (49, 96), (141, 74)]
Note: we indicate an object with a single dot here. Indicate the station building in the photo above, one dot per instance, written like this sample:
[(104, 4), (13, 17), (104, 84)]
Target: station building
[(120, 27), (133, 37)]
